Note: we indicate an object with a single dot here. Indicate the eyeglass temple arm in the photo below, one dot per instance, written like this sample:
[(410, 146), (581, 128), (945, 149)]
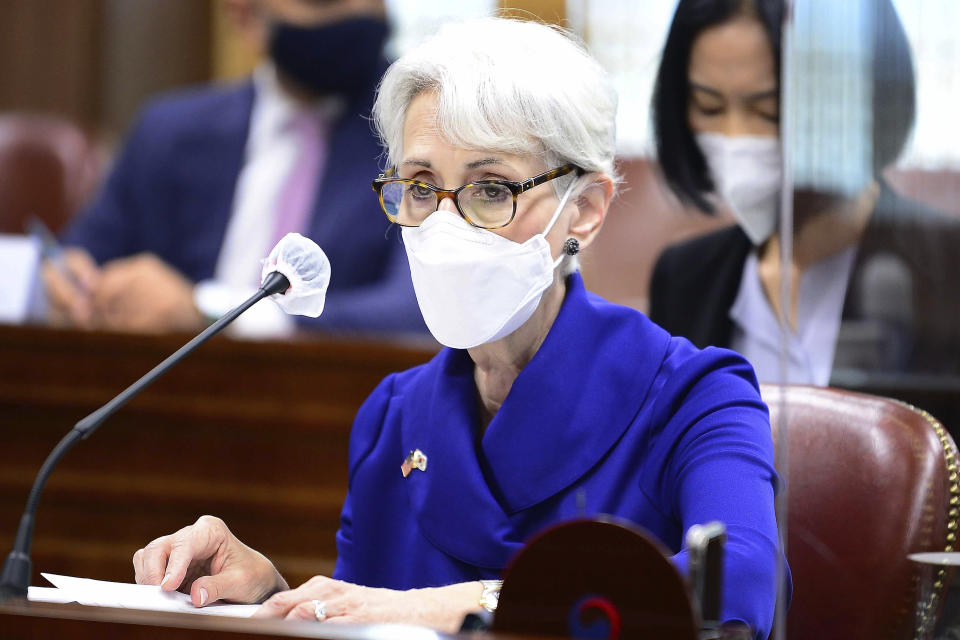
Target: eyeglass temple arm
[(550, 175)]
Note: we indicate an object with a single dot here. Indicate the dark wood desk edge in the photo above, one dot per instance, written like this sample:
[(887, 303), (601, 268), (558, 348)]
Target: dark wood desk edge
[(83, 613), (217, 624), (330, 344)]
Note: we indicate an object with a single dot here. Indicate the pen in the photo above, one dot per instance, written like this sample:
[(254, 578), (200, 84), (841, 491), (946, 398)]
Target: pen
[(52, 251)]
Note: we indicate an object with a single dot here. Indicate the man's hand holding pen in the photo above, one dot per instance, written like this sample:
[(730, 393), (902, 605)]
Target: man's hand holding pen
[(70, 276)]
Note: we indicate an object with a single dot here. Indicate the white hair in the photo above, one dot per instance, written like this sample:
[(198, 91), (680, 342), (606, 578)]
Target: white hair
[(508, 86)]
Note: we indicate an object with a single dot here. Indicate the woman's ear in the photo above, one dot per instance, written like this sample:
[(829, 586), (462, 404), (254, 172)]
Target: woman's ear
[(592, 205)]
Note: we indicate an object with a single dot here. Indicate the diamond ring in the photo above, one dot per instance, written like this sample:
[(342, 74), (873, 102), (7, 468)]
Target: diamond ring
[(320, 609)]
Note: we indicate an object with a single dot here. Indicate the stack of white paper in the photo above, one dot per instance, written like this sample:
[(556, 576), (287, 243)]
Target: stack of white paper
[(129, 596)]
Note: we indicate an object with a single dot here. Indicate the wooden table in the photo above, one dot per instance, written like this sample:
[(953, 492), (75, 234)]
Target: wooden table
[(254, 432), (35, 621)]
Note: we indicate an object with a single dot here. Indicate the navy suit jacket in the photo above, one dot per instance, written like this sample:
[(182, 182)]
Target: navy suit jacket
[(171, 193)]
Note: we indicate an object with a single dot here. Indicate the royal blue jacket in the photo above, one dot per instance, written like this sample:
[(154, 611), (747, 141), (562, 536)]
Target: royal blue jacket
[(171, 193), (612, 411)]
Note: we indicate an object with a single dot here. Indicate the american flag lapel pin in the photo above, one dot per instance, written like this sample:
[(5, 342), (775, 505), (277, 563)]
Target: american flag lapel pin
[(414, 460)]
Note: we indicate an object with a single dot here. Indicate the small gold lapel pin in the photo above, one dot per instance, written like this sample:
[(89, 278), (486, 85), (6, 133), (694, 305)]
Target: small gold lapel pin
[(414, 460)]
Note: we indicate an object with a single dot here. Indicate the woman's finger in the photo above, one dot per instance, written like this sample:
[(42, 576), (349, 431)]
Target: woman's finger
[(279, 605), (137, 565), (195, 543), (320, 610), (308, 610), (154, 561)]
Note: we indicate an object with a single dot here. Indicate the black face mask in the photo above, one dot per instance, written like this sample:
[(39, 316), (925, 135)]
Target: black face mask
[(339, 58)]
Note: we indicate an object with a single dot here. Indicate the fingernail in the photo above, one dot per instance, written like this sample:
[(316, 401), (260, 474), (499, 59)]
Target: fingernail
[(203, 596), (165, 578)]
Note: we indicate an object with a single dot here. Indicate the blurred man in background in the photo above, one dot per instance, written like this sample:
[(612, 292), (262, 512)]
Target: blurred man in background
[(209, 179)]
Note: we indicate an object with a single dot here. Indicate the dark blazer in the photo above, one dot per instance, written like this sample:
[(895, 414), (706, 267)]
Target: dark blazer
[(695, 284), (171, 193)]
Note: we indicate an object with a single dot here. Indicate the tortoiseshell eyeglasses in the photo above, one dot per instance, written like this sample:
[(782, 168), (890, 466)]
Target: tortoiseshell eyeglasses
[(488, 204)]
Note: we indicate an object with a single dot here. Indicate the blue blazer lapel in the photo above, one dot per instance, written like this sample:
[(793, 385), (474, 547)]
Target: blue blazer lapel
[(565, 411), (451, 501), (572, 403)]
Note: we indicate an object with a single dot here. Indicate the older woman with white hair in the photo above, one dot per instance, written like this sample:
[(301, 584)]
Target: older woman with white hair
[(548, 402)]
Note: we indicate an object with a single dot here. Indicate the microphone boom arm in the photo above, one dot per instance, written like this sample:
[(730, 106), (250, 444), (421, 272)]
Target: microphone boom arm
[(16, 568)]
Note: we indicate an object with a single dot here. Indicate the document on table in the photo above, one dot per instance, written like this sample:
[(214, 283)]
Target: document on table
[(129, 596)]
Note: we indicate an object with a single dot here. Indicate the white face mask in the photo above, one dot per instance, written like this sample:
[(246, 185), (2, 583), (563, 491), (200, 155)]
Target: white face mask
[(474, 286), (747, 173)]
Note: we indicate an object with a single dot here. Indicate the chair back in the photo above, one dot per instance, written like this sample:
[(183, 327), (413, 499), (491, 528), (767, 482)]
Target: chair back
[(871, 480), (48, 168)]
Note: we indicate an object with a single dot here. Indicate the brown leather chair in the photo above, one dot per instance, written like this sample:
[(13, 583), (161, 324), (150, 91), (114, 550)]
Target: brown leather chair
[(871, 480), (48, 168)]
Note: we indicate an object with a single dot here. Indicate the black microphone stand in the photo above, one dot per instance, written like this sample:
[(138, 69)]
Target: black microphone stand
[(16, 568)]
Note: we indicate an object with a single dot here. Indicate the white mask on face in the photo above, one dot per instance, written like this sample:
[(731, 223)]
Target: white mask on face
[(747, 173), (474, 286)]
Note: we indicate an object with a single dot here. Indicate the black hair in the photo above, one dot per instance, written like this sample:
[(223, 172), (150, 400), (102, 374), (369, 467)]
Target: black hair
[(894, 85), (681, 161), (683, 165)]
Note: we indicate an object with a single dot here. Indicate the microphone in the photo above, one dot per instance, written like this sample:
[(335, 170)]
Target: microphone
[(705, 548), (306, 267), (295, 275)]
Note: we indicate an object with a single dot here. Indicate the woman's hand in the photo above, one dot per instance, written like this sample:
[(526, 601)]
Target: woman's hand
[(207, 561), (441, 608)]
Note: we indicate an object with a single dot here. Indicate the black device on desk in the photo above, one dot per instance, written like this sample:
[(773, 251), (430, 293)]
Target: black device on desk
[(705, 545)]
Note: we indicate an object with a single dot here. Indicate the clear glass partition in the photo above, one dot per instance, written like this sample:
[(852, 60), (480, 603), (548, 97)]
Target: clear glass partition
[(862, 273), (870, 239), (875, 165)]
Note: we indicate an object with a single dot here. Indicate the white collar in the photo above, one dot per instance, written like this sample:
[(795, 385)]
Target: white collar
[(811, 347)]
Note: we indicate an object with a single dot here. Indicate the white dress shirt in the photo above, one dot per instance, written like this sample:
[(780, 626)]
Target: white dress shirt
[(811, 347), (271, 153)]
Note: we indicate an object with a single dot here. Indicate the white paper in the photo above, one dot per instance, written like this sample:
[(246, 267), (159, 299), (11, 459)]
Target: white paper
[(48, 594), (129, 596), (20, 286)]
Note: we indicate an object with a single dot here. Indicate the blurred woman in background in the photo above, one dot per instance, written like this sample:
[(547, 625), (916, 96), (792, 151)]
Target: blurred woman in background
[(870, 271)]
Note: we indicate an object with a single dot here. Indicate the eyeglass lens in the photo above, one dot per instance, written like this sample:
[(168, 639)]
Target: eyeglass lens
[(486, 205)]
